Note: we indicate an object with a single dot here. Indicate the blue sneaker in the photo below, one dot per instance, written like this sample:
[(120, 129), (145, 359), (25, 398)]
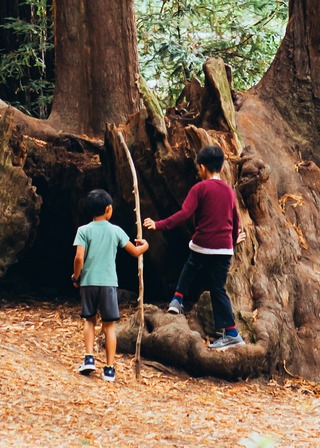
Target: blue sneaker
[(87, 366), (109, 373), (175, 307), (227, 342)]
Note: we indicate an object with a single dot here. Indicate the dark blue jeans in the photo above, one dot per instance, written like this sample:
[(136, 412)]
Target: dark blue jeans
[(217, 267)]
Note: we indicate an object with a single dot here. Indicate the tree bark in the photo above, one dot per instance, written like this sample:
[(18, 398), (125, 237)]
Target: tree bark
[(19, 203), (292, 82), (41, 189), (96, 65)]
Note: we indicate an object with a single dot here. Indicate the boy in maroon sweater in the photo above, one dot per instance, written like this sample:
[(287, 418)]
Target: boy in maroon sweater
[(213, 204)]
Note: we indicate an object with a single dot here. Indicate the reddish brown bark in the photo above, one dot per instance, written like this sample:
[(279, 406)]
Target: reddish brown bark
[(292, 83), (96, 65)]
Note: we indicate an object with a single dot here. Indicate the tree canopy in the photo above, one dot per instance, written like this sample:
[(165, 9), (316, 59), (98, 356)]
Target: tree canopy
[(176, 37)]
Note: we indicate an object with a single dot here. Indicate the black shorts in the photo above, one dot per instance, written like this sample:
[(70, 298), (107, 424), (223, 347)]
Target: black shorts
[(102, 298)]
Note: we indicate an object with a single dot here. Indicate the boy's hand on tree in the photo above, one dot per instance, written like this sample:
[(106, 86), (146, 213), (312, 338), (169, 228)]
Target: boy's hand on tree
[(241, 237), (149, 224)]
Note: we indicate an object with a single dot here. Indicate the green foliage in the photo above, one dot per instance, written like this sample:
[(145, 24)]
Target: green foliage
[(24, 66), (175, 37)]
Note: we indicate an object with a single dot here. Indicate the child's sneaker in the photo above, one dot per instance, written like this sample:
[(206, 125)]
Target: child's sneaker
[(227, 342), (175, 307), (109, 373), (87, 366)]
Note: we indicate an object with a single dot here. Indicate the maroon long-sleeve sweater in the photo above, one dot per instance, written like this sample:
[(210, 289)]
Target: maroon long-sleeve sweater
[(212, 203)]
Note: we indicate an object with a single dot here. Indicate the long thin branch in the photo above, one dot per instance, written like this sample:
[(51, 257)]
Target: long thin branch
[(140, 258)]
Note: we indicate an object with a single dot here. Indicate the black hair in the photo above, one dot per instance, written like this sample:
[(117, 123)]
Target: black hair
[(97, 201), (212, 157)]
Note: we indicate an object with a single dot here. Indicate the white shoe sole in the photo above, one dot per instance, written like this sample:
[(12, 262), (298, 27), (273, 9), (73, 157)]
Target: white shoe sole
[(86, 370), (108, 378), (226, 347), (173, 310)]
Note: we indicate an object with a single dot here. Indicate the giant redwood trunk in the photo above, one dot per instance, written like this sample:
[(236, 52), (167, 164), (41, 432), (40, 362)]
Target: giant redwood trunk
[(279, 119), (96, 65), (274, 279)]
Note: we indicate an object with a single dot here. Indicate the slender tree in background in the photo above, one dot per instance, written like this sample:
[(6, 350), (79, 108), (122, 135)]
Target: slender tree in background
[(26, 55)]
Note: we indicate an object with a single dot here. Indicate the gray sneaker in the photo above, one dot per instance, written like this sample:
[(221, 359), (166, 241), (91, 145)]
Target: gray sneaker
[(175, 307), (227, 342)]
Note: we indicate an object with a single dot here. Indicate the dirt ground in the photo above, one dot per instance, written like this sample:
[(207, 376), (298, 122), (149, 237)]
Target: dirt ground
[(46, 403)]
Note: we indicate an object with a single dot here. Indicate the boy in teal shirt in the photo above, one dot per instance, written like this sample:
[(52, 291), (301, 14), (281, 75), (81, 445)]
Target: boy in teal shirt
[(95, 272)]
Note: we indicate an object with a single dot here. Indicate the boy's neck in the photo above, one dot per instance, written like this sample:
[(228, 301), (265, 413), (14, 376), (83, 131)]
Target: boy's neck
[(210, 175), (106, 216)]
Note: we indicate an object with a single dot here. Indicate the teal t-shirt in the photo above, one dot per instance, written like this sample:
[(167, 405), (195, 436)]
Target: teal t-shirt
[(101, 240)]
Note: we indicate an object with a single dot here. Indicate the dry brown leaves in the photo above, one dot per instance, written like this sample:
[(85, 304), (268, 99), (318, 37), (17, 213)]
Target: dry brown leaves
[(298, 202), (46, 403), (291, 197)]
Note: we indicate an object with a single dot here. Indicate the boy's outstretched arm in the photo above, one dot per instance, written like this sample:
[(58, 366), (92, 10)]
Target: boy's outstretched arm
[(149, 224), (141, 247)]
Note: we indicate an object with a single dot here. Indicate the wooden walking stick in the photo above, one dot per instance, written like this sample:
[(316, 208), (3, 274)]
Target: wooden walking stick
[(140, 258)]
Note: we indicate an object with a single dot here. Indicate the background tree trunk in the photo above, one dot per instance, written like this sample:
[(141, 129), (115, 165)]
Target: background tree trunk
[(96, 65)]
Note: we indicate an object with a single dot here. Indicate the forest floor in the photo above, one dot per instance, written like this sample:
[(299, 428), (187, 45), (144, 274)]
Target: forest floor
[(46, 403)]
